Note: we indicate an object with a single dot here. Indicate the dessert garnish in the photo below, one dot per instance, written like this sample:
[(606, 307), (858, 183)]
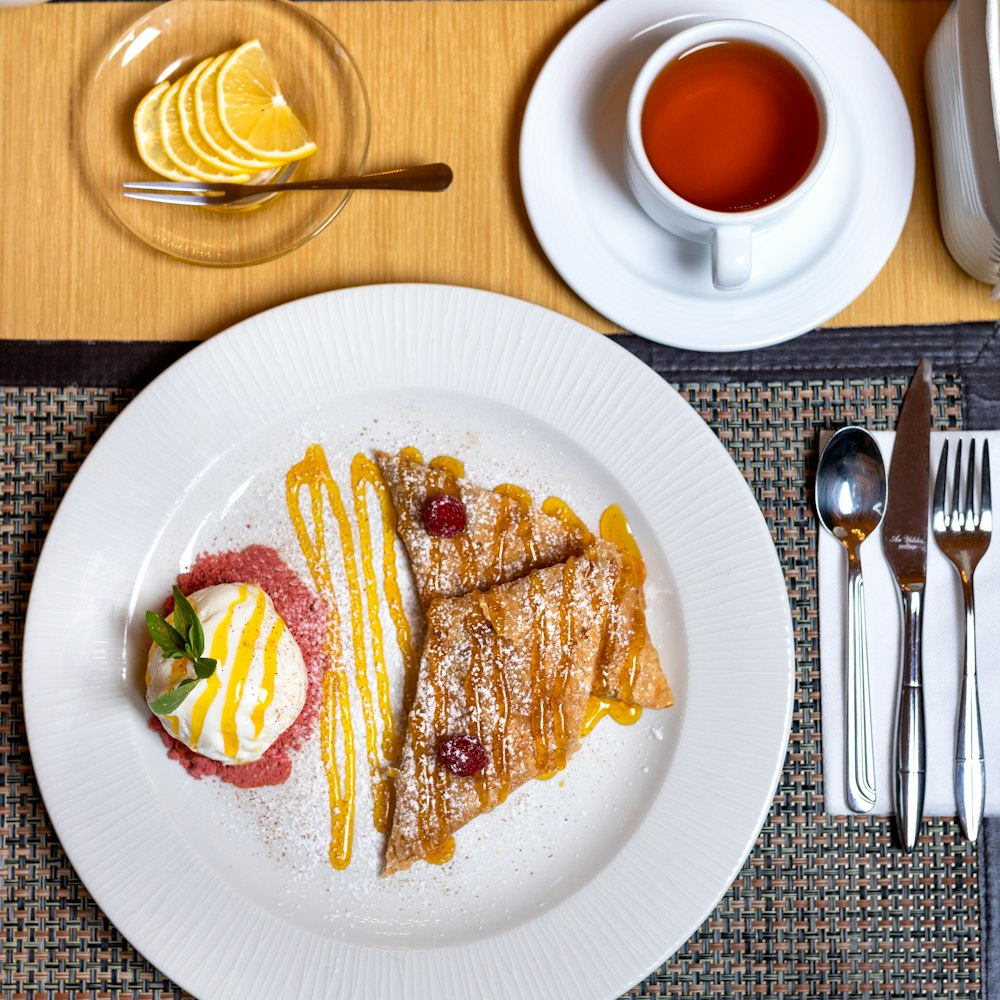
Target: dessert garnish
[(463, 755), (257, 683), (184, 639), (225, 120), (444, 516)]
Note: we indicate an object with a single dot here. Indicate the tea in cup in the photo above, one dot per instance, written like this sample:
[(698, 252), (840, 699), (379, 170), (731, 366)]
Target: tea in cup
[(729, 125)]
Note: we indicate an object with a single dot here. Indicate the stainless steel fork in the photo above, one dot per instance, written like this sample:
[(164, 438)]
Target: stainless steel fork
[(964, 537)]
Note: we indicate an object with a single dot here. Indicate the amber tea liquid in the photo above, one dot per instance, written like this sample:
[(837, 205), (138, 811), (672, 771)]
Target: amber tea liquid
[(730, 126)]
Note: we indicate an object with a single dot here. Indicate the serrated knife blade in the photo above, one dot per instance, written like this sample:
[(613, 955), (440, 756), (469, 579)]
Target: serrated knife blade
[(904, 542)]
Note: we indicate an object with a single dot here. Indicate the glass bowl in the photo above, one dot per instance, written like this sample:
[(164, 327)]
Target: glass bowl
[(316, 74)]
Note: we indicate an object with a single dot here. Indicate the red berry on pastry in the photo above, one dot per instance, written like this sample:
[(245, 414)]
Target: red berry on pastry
[(463, 755), (444, 516)]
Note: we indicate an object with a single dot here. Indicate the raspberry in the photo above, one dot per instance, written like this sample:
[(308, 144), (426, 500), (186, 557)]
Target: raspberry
[(463, 755), (444, 516)]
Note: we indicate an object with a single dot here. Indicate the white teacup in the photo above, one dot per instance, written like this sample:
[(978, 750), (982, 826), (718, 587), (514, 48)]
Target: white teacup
[(729, 233)]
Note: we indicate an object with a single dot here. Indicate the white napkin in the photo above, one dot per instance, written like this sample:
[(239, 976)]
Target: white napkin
[(943, 638)]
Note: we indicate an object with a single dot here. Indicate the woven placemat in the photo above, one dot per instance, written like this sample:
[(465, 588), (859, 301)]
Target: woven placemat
[(824, 906)]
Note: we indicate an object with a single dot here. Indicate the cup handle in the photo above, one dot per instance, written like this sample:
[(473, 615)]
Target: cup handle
[(730, 257)]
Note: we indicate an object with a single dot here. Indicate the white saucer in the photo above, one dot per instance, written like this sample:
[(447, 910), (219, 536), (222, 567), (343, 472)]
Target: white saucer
[(805, 270)]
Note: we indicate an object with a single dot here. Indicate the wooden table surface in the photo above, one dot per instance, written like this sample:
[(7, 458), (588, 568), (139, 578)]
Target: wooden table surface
[(69, 271)]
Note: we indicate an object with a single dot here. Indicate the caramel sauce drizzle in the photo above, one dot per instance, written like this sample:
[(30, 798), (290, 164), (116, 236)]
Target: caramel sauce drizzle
[(548, 723), (432, 814), (614, 527), (486, 637), (514, 520), (540, 713)]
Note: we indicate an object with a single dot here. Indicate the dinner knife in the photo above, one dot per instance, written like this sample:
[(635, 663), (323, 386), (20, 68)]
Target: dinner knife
[(904, 542)]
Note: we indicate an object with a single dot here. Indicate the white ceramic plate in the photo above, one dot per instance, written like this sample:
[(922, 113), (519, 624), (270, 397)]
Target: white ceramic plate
[(805, 270), (577, 886)]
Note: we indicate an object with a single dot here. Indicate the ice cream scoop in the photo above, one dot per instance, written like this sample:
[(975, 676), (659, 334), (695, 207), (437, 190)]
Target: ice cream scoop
[(257, 689)]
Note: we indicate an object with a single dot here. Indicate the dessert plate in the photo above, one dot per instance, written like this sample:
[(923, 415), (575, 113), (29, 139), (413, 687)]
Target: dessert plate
[(230, 892), (805, 270)]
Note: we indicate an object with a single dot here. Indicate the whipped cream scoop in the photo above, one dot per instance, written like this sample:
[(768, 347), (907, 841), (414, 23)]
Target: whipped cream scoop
[(259, 685)]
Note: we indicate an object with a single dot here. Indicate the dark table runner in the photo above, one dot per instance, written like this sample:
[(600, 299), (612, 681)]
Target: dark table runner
[(824, 906)]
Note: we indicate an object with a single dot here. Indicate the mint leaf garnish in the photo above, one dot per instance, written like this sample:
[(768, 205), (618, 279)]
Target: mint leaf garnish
[(185, 638), (170, 700), (165, 635), (184, 615), (204, 667)]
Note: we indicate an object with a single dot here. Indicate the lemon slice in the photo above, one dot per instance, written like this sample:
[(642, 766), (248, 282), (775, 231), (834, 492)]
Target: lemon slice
[(176, 146), (189, 126), (210, 125), (254, 112), (146, 124)]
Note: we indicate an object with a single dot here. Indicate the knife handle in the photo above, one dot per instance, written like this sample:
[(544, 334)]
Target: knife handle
[(911, 751)]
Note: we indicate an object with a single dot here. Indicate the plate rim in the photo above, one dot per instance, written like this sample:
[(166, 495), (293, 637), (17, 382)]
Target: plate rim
[(416, 966)]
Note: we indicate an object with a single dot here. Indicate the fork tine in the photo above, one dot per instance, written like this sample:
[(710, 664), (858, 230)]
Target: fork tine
[(193, 198), (166, 186), (955, 520), (985, 505), (940, 489), (970, 488)]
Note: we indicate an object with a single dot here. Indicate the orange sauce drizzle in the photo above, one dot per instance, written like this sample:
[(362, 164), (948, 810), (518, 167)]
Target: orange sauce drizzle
[(238, 676), (313, 475), (361, 475), (614, 527), (445, 463), (619, 711), (562, 511), (219, 650)]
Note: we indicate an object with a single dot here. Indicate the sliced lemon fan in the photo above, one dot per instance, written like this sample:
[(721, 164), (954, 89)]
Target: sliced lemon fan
[(177, 148), (210, 126), (225, 120), (146, 125), (188, 118), (254, 112)]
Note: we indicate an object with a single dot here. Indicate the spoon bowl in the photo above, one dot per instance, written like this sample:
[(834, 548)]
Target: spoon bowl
[(851, 485), (851, 492)]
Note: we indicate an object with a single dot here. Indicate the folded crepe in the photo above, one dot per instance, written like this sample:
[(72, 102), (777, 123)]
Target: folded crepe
[(509, 669), (506, 537)]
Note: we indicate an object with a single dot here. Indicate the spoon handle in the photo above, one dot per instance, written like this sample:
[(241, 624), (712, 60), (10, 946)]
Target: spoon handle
[(860, 738)]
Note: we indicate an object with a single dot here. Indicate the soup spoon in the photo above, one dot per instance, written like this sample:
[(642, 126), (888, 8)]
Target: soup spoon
[(850, 500)]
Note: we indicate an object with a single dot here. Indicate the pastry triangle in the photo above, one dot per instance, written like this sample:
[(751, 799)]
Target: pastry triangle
[(512, 667), (506, 537)]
